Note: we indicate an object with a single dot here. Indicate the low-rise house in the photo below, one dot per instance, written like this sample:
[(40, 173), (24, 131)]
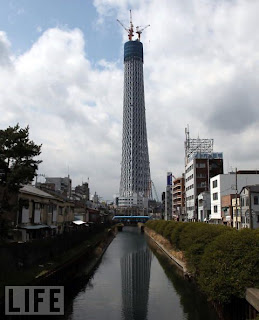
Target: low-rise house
[(236, 212), (41, 214), (94, 215), (249, 199), (222, 184), (227, 208)]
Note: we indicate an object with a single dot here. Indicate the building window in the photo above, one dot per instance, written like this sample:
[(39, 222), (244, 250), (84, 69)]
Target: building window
[(255, 199), (215, 209), (215, 183), (215, 196), (37, 206)]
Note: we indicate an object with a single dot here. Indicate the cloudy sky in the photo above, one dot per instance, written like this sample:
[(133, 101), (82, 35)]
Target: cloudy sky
[(61, 72)]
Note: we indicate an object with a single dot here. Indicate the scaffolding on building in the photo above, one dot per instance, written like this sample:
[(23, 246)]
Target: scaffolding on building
[(194, 146)]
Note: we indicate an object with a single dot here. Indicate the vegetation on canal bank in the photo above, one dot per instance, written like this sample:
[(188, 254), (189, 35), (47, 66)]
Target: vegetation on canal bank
[(31, 275), (224, 261)]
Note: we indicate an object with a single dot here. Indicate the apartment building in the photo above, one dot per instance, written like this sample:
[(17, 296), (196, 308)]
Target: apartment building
[(201, 164), (200, 168), (168, 197), (62, 185), (179, 198)]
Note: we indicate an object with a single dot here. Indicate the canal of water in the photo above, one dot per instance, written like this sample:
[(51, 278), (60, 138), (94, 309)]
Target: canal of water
[(135, 281)]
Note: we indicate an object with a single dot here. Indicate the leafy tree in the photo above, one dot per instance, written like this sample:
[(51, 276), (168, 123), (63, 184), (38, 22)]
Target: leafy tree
[(17, 167)]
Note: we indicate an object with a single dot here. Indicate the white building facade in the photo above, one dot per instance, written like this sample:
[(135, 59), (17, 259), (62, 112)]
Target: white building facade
[(249, 199), (135, 200), (204, 206), (190, 190), (224, 184)]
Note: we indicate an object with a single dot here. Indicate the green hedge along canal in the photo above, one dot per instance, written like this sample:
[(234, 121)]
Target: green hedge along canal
[(135, 281)]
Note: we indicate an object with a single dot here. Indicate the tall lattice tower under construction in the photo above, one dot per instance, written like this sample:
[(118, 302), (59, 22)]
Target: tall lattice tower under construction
[(135, 184)]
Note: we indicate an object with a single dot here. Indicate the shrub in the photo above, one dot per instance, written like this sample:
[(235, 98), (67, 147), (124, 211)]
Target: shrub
[(176, 233), (160, 226), (151, 224), (169, 229), (229, 265), (195, 238)]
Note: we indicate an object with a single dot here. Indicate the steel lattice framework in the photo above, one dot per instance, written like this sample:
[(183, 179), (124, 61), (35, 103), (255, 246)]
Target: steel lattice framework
[(135, 170), (193, 146), (198, 145)]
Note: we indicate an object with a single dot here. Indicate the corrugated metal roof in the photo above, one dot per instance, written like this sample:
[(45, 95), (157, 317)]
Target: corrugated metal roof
[(34, 227), (29, 189)]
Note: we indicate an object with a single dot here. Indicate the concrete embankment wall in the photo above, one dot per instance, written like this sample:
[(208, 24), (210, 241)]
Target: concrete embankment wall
[(252, 294), (166, 247)]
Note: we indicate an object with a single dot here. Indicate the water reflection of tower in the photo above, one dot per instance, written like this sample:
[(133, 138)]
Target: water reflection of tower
[(135, 274)]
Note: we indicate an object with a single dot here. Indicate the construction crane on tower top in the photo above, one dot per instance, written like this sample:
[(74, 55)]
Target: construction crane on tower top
[(139, 31), (130, 29)]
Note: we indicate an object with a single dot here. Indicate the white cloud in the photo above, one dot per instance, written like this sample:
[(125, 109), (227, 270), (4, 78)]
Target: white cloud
[(201, 68), (69, 107)]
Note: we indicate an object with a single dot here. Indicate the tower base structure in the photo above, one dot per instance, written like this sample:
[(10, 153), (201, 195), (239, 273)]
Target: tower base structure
[(134, 201), (134, 205)]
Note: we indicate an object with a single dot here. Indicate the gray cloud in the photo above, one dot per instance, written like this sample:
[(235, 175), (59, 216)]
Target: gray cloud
[(234, 108)]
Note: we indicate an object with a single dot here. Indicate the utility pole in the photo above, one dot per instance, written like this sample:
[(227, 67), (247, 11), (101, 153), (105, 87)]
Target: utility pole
[(38, 175), (250, 209), (236, 200)]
